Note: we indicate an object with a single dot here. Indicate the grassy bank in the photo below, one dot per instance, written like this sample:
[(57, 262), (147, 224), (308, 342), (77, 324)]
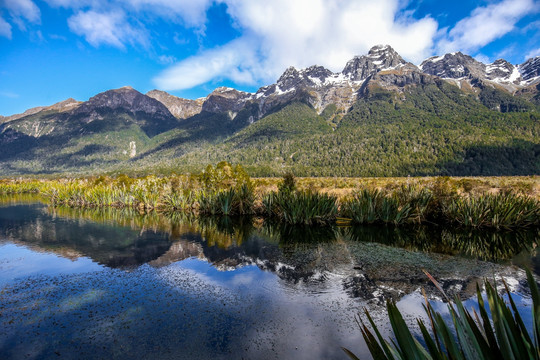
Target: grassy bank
[(498, 202)]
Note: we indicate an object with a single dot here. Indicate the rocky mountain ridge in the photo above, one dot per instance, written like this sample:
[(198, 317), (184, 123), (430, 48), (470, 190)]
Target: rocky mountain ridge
[(379, 116), (321, 87)]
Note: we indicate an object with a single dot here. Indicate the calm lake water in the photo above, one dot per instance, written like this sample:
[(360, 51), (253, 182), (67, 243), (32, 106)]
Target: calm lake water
[(102, 284)]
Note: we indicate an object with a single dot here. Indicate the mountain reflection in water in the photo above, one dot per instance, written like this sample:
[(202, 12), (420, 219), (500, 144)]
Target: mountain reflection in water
[(365, 255)]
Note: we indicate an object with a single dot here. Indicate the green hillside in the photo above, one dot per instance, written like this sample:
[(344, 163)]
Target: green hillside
[(422, 129), (428, 130)]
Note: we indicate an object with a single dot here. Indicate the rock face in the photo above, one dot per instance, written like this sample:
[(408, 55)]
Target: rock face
[(66, 105), (379, 57), (463, 68), (453, 66), (180, 108), (317, 86), (502, 71), (530, 69), (224, 99), (124, 99)]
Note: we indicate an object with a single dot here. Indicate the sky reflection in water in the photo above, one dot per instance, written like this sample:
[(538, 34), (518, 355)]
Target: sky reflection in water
[(109, 284)]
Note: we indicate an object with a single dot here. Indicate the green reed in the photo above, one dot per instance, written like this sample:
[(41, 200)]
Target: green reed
[(303, 207), (497, 331), (497, 211), (407, 204)]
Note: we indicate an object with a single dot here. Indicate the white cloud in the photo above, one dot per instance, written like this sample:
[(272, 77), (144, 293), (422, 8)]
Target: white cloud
[(21, 12), (482, 58), (5, 28), (280, 33), (196, 70), (22, 9), (108, 28), (486, 24), (531, 54), (166, 59), (73, 4), (9, 94), (191, 12)]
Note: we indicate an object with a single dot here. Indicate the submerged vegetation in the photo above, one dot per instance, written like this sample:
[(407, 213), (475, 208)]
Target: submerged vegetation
[(227, 190), (503, 335)]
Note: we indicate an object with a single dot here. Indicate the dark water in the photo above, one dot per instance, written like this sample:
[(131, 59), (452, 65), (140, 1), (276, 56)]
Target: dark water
[(103, 284)]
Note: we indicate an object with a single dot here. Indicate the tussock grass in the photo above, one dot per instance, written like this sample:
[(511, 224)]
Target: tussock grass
[(227, 190), (494, 210)]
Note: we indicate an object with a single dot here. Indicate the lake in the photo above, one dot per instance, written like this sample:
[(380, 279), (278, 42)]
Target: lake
[(109, 283)]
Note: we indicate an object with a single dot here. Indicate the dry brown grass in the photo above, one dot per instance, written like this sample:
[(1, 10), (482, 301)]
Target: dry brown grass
[(472, 185)]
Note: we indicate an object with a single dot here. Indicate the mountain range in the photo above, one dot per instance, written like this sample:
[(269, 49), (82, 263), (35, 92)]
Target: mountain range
[(379, 116)]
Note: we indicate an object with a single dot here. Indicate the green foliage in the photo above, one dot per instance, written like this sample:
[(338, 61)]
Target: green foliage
[(288, 184), (302, 207), (407, 204), (364, 207), (228, 190), (472, 336), (227, 202), (225, 176), (498, 211), (428, 129), (502, 101), (20, 187)]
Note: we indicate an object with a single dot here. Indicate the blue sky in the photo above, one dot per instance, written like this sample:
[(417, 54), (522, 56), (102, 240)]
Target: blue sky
[(54, 49)]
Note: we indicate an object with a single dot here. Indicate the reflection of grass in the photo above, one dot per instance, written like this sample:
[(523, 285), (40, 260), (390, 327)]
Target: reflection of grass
[(225, 232), (482, 244), (495, 332)]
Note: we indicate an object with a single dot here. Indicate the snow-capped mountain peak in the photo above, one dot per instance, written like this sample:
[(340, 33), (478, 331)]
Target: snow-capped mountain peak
[(378, 58)]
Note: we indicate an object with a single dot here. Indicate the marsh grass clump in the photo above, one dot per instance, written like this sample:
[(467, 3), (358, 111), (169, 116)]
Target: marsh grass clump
[(20, 187), (364, 206), (297, 207), (419, 201), (493, 210), (408, 203), (228, 202), (303, 207), (180, 200), (227, 190), (496, 331)]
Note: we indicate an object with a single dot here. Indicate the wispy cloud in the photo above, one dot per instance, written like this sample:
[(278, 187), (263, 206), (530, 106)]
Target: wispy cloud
[(22, 11), (531, 54), (107, 28), (192, 13), (486, 24), (167, 59), (9, 94), (5, 28), (196, 70), (280, 33)]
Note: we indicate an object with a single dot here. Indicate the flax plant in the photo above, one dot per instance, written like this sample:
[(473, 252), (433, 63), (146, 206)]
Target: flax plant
[(473, 336)]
